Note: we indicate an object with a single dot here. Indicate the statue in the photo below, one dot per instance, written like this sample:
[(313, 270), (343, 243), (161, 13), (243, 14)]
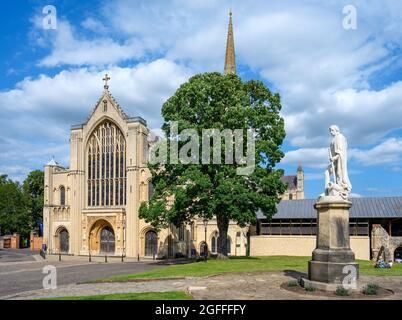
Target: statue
[(332, 255), (340, 186)]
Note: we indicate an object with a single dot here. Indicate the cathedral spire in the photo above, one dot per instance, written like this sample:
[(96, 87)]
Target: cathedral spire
[(230, 61)]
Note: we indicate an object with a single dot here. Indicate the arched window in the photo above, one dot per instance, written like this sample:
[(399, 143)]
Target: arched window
[(228, 244), (181, 232), (106, 166), (150, 190), (214, 243), (62, 196)]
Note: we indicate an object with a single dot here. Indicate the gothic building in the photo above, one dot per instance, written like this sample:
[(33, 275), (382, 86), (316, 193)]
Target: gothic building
[(295, 185)]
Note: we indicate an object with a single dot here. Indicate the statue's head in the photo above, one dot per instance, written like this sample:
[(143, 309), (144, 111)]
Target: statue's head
[(334, 130)]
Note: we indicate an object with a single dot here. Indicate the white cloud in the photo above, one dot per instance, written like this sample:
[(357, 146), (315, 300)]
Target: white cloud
[(322, 71), (71, 49), (355, 195), (37, 113), (94, 25), (308, 157), (388, 152)]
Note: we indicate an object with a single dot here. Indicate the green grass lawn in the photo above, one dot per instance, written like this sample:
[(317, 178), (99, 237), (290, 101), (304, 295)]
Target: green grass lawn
[(243, 264), (174, 295)]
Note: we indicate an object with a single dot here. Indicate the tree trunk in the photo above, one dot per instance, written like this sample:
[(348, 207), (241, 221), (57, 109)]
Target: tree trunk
[(223, 225)]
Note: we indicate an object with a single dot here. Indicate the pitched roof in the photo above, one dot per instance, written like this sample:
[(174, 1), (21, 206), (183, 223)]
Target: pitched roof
[(291, 181), (106, 94), (379, 207), (52, 163)]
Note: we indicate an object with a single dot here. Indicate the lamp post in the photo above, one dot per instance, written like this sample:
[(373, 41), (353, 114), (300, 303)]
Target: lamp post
[(205, 242)]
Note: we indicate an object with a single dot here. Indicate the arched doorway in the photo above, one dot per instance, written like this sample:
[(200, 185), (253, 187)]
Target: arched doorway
[(151, 243), (107, 241), (102, 238), (398, 254), (64, 241)]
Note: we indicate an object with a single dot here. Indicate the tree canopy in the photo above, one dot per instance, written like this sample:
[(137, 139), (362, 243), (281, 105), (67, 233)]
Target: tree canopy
[(21, 206), (184, 191)]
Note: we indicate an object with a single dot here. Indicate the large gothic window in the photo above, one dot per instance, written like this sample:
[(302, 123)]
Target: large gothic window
[(106, 166)]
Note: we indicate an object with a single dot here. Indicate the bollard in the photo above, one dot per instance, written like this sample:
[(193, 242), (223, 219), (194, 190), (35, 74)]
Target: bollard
[(138, 257), (59, 256), (90, 260), (105, 258)]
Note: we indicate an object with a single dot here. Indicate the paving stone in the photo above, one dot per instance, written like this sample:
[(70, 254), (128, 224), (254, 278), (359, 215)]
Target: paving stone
[(249, 286)]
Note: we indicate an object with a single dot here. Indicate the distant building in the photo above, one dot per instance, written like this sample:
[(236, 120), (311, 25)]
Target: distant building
[(295, 185)]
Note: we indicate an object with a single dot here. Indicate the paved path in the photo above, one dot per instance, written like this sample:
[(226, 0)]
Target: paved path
[(21, 276), (20, 255), (265, 285)]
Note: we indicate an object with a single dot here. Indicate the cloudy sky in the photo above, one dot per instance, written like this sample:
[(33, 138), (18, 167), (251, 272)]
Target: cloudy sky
[(326, 74)]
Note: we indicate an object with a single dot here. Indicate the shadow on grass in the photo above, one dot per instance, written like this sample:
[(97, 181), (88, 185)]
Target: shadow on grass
[(194, 260), (243, 258)]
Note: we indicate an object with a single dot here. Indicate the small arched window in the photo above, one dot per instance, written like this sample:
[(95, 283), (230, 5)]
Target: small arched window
[(214, 243), (181, 232), (150, 190), (228, 245), (62, 196)]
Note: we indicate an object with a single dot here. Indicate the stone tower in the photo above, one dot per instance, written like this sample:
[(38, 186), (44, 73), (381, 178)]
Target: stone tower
[(300, 182)]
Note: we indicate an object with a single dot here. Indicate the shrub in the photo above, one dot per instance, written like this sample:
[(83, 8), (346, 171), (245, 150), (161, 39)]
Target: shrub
[(310, 289), (371, 289), (293, 283), (341, 291)]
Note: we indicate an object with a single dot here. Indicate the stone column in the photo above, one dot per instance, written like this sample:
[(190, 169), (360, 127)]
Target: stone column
[(327, 269)]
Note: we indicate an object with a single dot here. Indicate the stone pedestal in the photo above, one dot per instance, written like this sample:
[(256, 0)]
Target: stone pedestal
[(327, 269)]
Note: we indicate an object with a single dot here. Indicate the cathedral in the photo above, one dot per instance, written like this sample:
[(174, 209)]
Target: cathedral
[(91, 207)]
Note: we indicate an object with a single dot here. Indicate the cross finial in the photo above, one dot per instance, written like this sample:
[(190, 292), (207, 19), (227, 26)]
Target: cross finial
[(106, 79)]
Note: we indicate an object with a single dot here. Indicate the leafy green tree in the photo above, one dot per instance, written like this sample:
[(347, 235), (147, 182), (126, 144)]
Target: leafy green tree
[(183, 192), (33, 188), (13, 207)]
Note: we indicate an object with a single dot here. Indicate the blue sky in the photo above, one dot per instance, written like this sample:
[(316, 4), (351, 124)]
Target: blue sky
[(325, 74)]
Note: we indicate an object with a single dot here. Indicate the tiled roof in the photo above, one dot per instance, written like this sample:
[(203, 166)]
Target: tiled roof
[(381, 207), (291, 181)]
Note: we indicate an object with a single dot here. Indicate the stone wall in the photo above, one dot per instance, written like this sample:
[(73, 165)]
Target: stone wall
[(268, 245), (381, 238)]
